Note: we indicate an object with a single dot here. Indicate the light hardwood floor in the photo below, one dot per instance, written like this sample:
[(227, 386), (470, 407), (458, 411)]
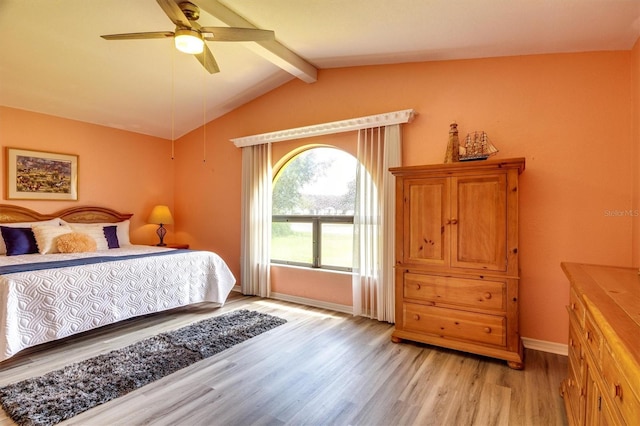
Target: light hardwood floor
[(320, 368)]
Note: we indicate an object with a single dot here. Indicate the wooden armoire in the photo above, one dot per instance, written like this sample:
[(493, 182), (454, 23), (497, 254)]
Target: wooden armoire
[(456, 266)]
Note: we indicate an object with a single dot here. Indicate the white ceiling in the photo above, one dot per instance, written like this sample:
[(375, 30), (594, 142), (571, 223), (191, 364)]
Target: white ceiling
[(52, 59)]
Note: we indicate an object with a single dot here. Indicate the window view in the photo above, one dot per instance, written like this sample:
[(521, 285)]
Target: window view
[(313, 205)]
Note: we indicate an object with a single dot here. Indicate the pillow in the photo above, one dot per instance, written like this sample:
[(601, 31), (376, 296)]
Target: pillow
[(3, 247), (76, 242), (111, 234), (18, 240), (46, 236), (122, 229), (123, 233), (95, 231)]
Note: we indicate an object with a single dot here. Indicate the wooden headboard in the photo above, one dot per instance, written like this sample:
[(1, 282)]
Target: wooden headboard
[(85, 214)]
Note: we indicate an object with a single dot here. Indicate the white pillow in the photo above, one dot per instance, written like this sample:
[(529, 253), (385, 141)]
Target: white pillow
[(123, 233), (95, 231), (47, 235), (122, 229), (3, 246)]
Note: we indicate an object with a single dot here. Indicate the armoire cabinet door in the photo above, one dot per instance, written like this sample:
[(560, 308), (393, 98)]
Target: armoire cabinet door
[(478, 222), (426, 209)]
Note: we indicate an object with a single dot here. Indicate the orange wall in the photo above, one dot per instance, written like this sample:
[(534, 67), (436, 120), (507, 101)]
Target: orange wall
[(126, 171), (207, 195), (635, 58), (573, 116), (570, 115)]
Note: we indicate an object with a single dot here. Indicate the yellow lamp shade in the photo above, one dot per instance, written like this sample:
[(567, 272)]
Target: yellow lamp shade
[(160, 215)]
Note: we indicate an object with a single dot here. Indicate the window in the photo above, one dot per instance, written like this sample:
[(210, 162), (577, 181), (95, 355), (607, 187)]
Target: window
[(313, 206)]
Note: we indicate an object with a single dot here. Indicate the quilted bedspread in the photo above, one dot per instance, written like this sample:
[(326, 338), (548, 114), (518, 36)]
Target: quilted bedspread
[(49, 304)]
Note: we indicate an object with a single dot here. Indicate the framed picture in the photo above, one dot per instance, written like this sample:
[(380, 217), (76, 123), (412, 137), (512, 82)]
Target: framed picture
[(37, 175)]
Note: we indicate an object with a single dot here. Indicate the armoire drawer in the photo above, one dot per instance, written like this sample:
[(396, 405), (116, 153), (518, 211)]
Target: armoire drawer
[(443, 322), (480, 294)]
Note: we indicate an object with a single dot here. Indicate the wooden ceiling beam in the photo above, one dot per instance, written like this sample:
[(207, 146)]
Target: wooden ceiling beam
[(272, 50)]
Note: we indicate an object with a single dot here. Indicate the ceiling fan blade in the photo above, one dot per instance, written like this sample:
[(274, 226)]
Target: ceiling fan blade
[(135, 36), (236, 34), (208, 61), (174, 13)]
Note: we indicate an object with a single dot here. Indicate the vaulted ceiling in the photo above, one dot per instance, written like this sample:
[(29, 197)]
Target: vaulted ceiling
[(53, 60)]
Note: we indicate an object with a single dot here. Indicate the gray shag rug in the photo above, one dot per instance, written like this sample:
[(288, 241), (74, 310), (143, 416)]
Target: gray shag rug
[(62, 394)]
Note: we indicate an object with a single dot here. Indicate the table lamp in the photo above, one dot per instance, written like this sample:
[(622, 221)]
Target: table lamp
[(160, 215)]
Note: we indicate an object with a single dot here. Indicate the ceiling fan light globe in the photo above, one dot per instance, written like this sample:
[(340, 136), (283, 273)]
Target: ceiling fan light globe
[(189, 41)]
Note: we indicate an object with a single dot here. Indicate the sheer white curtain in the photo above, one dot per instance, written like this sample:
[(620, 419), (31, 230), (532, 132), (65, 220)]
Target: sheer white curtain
[(373, 275), (256, 220)]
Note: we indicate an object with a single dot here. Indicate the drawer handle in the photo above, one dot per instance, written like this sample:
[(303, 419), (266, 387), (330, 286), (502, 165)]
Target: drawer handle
[(617, 391), (487, 330), (418, 287), (573, 306), (487, 295), (571, 343), (454, 221), (416, 317)]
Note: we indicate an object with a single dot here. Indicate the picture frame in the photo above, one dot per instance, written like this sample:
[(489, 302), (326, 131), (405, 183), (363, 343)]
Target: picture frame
[(40, 175)]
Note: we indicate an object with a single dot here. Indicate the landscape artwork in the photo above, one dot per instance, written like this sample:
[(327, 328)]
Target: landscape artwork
[(41, 175)]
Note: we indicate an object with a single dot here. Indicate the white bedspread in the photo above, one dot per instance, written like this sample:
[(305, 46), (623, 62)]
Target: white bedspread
[(41, 306)]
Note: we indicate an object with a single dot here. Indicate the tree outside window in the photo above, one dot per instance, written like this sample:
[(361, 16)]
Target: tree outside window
[(313, 206)]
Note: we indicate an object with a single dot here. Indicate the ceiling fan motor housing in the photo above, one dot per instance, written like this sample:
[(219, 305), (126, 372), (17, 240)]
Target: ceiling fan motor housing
[(190, 10)]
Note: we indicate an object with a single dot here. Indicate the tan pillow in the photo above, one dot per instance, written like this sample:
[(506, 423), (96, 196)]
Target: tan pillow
[(76, 242), (95, 231)]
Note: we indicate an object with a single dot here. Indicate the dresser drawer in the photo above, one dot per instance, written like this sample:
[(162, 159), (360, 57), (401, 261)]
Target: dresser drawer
[(479, 294), (619, 389), (576, 307), (574, 392), (443, 322), (576, 358), (593, 338)]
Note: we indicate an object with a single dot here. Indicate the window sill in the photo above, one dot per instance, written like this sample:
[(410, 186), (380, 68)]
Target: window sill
[(313, 270)]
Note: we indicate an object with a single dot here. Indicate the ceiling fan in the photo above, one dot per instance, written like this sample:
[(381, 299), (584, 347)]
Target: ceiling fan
[(189, 36)]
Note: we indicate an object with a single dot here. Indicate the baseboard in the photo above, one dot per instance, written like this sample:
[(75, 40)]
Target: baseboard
[(544, 346), (537, 345), (311, 302)]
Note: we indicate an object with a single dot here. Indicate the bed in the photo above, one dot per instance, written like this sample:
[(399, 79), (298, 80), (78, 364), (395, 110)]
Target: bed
[(45, 297)]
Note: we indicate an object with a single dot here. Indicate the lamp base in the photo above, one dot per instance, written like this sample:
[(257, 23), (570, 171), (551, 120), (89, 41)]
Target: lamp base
[(161, 233)]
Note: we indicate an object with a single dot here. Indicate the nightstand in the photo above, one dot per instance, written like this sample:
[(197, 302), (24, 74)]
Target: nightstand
[(177, 246)]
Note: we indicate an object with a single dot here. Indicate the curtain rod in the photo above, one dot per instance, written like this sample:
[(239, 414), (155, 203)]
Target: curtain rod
[(378, 120)]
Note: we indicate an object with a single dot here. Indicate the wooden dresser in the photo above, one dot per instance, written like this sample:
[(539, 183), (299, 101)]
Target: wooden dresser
[(457, 257), (603, 381)]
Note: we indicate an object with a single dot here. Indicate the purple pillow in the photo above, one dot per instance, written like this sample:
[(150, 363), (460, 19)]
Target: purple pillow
[(19, 240), (111, 234)]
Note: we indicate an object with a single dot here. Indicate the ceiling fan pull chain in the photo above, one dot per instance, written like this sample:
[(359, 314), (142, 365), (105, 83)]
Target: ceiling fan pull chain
[(173, 102), (204, 114)]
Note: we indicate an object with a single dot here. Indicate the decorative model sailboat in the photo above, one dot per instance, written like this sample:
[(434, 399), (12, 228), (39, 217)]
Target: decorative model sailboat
[(476, 146)]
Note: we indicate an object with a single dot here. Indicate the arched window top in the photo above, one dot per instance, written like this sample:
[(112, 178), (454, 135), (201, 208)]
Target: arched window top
[(316, 181)]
